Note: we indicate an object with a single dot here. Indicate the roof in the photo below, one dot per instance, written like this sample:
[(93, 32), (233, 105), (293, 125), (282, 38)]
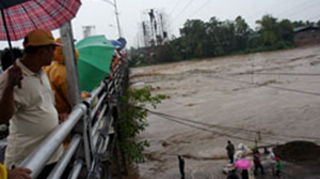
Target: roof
[(305, 28)]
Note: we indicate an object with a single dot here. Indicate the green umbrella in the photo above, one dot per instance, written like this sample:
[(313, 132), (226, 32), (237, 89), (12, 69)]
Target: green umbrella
[(95, 55)]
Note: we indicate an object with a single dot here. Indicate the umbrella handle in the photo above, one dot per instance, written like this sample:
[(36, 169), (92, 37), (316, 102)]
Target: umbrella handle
[(9, 41), (19, 82)]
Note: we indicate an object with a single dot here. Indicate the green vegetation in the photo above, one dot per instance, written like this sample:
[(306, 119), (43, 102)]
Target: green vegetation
[(214, 38), (134, 120)]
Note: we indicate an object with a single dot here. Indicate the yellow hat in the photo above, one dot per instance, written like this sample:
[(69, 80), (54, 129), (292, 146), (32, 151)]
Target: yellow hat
[(39, 37), (58, 54)]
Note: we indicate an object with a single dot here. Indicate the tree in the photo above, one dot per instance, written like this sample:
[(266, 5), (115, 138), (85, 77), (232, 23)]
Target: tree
[(268, 29), (242, 32), (193, 33), (285, 31), (298, 24), (213, 42)]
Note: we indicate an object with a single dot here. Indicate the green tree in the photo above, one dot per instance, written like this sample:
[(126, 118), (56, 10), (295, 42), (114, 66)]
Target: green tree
[(268, 30), (242, 32), (213, 41), (227, 37), (286, 31), (133, 120), (298, 24), (221, 36), (193, 33)]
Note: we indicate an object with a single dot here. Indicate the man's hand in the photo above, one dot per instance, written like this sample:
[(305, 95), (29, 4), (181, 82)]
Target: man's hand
[(19, 173), (63, 117), (14, 76), (7, 99)]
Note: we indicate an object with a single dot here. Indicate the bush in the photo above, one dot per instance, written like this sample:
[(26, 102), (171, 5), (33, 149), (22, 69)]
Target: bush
[(133, 120)]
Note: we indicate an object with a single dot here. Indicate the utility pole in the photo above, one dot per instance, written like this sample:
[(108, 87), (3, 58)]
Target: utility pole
[(117, 17), (114, 4)]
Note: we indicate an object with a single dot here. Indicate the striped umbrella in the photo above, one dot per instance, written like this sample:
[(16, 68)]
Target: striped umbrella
[(21, 16)]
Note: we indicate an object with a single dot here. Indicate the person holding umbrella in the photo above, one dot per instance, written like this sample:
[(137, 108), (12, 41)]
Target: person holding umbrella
[(244, 165), (29, 109)]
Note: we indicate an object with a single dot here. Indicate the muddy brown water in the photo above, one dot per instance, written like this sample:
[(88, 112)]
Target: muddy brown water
[(225, 92)]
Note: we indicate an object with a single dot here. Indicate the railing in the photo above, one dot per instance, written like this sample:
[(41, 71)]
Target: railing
[(90, 127)]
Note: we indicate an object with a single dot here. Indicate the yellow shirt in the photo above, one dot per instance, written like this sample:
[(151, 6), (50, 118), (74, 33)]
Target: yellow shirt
[(34, 119), (3, 172)]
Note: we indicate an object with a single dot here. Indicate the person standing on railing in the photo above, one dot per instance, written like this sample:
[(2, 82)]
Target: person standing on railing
[(26, 100)]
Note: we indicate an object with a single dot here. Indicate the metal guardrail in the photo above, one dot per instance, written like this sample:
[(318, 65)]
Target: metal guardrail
[(90, 127)]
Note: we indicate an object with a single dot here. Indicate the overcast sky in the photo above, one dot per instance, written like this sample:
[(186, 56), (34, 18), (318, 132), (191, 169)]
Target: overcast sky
[(101, 14)]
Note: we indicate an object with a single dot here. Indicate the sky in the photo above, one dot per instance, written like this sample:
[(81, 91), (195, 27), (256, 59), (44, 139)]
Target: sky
[(101, 14)]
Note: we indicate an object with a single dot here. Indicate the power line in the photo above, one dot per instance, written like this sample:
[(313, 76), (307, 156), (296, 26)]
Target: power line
[(205, 129), (317, 17), (282, 74), (201, 7), (185, 8), (175, 7), (186, 122), (276, 4), (303, 5), (238, 129), (183, 122), (268, 86)]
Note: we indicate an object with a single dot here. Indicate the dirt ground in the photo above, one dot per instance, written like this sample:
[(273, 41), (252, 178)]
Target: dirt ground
[(271, 97)]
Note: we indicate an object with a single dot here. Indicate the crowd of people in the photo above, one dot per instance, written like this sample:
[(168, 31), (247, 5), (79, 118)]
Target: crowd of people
[(275, 164), (236, 172), (34, 100)]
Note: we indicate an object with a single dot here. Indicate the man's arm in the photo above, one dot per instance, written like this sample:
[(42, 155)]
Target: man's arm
[(6, 104), (7, 99)]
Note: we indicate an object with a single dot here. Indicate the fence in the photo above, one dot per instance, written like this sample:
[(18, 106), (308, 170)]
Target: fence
[(91, 128)]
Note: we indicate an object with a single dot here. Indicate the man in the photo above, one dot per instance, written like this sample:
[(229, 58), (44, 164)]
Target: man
[(230, 151), (181, 166), (18, 173), (30, 107), (257, 164)]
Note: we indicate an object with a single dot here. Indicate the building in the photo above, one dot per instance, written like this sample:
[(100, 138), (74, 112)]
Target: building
[(307, 35)]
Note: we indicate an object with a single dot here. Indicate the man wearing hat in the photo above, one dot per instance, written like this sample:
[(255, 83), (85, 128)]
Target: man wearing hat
[(27, 101)]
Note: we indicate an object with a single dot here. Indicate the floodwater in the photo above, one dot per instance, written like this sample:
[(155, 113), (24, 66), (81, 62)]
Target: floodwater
[(272, 97)]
